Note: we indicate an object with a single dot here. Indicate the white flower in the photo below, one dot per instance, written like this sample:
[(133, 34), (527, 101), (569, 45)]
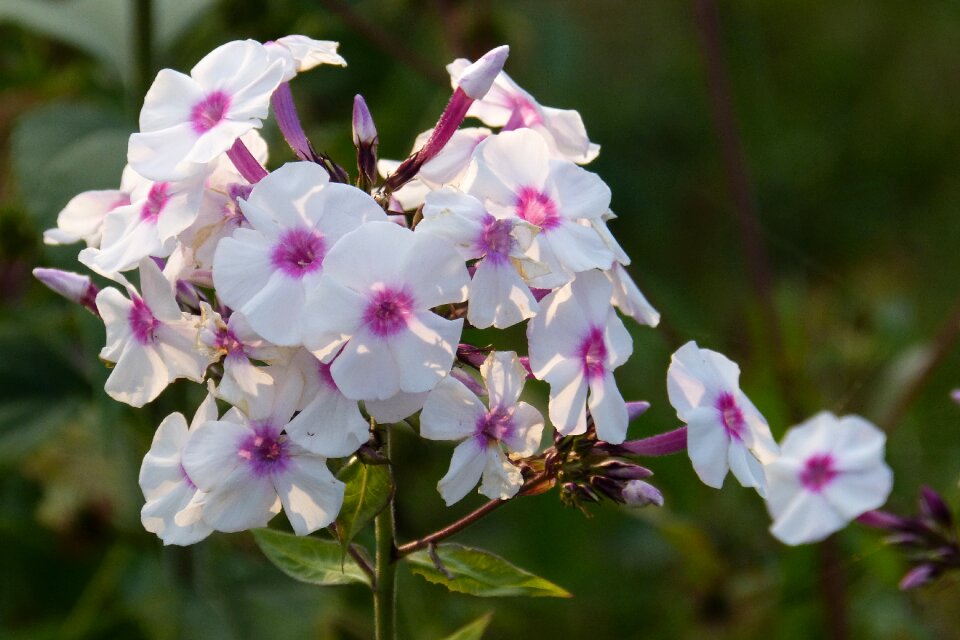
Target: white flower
[(301, 53), (172, 510), (374, 299), (247, 467), (517, 178), (508, 106), (83, 217), (188, 121), (498, 295), (151, 341), (725, 432), (453, 412), (296, 215), (576, 341), (830, 471)]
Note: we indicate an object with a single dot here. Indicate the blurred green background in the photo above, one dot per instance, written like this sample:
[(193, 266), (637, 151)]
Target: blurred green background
[(848, 120)]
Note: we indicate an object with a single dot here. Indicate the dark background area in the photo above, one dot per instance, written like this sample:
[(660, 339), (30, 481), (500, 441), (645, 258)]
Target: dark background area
[(846, 118)]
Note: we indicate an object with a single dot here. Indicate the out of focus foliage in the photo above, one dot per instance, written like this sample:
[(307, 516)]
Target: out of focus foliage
[(849, 118)]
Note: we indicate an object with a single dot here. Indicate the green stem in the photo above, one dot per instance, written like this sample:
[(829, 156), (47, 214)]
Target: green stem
[(385, 596)]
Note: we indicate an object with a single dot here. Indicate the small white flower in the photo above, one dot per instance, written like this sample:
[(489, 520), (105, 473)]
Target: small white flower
[(296, 216), (172, 509), (374, 299), (247, 467), (151, 341), (453, 412), (301, 53), (84, 215), (830, 471), (188, 121), (576, 341), (725, 432)]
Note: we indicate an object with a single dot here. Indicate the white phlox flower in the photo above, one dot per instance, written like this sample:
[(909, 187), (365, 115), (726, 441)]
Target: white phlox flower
[(329, 423), (237, 343), (725, 431), (248, 467), (576, 341), (151, 341), (188, 121), (830, 471), (148, 226), (498, 295), (510, 107), (296, 215), (300, 53), (517, 178), (453, 412), (172, 509), (373, 301), (83, 217)]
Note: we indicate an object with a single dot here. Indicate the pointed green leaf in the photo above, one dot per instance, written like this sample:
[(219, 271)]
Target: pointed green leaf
[(308, 559), (480, 573), (474, 630), (367, 493)]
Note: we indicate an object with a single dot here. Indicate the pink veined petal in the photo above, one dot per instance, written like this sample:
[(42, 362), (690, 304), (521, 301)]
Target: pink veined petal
[(707, 445), (608, 409), (451, 412), (424, 351), (527, 430), (169, 100), (504, 377), (581, 193), (501, 478), (331, 425), (498, 296), (311, 496), (466, 466), (807, 518)]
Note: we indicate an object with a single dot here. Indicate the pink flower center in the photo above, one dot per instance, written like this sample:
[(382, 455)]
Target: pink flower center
[(142, 323), (537, 208), (299, 252), (209, 112), (818, 472), (122, 201), (388, 312), (496, 425), (156, 201), (593, 353), (730, 416), (525, 114), (265, 450), (495, 240), (227, 341)]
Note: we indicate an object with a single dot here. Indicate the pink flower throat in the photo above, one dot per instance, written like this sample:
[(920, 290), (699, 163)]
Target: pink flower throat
[(209, 112), (388, 312)]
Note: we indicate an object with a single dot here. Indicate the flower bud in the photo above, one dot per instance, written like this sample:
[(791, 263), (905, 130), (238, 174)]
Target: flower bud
[(364, 130), (622, 470), (477, 79), (640, 494), (72, 286), (919, 576), (933, 507), (636, 409)]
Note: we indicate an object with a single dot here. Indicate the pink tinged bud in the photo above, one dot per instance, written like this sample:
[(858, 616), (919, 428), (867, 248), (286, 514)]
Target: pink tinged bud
[(640, 494), (468, 381), (188, 295), (364, 130), (477, 79), (659, 445), (288, 122), (880, 520), (72, 286), (933, 507), (469, 354), (918, 576), (636, 409), (247, 165)]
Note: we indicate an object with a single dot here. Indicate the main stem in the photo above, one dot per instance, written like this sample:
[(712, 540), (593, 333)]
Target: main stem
[(385, 595)]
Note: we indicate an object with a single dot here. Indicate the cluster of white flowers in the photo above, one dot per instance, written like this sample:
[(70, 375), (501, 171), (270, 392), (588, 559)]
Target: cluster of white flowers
[(308, 304), (827, 472), (311, 306)]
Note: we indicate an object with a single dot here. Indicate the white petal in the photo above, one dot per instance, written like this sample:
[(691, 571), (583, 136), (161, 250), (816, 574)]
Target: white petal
[(396, 408), (568, 397), (527, 430), (466, 466), (210, 455), (581, 194), (608, 409), (707, 445), (451, 411), (424, 351), (807, 518), (501, 478), (504, 377), (434, 271), (331, 425), (499, 296), (311, 496), (366, 369)]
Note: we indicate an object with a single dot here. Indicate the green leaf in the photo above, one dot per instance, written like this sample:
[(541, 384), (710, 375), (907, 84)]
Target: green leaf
[(308, 559), (367, 492), (62, 149), (481, 573), (474, 630)]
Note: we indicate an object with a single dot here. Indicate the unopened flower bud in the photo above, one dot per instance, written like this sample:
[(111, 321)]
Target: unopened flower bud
[(934, 508), (639, 494), (72, 286), (364, 130), (622, 470), (479, 76), (468, 381), (636, 409), (919, 576)]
